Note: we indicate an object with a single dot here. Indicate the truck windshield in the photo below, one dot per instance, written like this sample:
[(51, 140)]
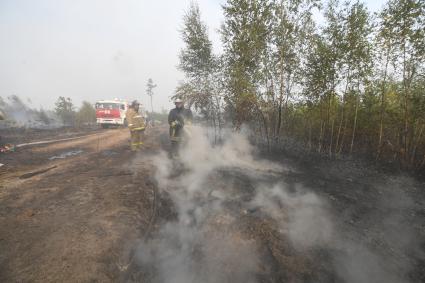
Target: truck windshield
[(107, 105)]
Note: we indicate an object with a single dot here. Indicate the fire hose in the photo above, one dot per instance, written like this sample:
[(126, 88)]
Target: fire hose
[(52, 141)]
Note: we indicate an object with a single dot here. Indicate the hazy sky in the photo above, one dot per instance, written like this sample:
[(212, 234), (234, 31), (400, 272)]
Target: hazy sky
[(96, 49)]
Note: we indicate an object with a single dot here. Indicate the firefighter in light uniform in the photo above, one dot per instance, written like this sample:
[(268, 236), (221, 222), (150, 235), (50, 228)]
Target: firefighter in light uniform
[(136, 124), (177, 119)]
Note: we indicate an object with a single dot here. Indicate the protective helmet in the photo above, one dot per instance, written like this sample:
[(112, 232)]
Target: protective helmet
[(134, 103), (178, 100)]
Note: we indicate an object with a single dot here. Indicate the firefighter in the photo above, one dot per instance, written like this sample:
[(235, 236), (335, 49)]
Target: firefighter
[(177, 119), (136, 124)]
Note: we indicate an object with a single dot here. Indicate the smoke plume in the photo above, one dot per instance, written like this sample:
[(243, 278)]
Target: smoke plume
[(203, 243), (214, 189), (19, 114)]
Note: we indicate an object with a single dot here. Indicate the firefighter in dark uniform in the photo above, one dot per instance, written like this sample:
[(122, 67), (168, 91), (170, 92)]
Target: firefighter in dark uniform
[(136, 124), (177, 119)]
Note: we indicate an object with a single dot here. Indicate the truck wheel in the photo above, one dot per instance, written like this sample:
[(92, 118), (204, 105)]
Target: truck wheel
[(105, 126)]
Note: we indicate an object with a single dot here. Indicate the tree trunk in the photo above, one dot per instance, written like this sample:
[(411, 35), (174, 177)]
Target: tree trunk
[(332, 136), (266, 128), (422, 163), (415, 143), (405, 106), (322, 128), (342, 112), (319, 147), (281, 93), (328, 114), (382, 110), (217, 98), (309, 136), (214, 124), (355, 117), (343, 136)]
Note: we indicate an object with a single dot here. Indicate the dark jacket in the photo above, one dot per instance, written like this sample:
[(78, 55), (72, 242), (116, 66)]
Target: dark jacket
[(182, 116)]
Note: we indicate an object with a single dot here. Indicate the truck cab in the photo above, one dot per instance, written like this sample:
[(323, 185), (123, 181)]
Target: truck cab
[(111, 112)]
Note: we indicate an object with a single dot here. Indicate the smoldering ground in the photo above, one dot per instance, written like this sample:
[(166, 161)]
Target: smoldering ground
[(237, 219)]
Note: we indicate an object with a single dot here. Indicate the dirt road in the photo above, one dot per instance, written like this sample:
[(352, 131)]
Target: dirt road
[(77, 221)]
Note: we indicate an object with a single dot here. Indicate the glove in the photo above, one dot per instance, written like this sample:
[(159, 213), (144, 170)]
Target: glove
[(175, 124)]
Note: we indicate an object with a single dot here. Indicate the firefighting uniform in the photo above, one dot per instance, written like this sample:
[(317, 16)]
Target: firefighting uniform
[(136, 124), (177, 118)]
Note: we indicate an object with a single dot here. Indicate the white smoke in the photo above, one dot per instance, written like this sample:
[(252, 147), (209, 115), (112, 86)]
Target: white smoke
[(301, 215), (212, 188), (203, 244), (20, 114)]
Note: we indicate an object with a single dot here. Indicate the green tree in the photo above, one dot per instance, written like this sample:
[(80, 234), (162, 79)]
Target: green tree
[(337, 73), (344, 86), (320, 82), (358, 56), (246, 38), (200, 87), (403, 25), (383, 43), (292, 31), (86, 115), (65, 110), (196, 58)]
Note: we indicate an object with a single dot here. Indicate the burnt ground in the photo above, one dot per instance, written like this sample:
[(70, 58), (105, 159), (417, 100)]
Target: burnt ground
[(82, 218), (23, 135), (77, 221)]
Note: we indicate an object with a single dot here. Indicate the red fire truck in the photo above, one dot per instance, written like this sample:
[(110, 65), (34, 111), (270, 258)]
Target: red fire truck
[(111, 112)]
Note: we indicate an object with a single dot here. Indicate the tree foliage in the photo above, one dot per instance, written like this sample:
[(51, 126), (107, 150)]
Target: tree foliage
[(355, 84), (201, 87), (86, 115), (149, 91), (65, 110)]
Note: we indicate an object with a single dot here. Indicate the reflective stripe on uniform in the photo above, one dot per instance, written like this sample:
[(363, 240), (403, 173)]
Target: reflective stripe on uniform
[(137, 129)]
